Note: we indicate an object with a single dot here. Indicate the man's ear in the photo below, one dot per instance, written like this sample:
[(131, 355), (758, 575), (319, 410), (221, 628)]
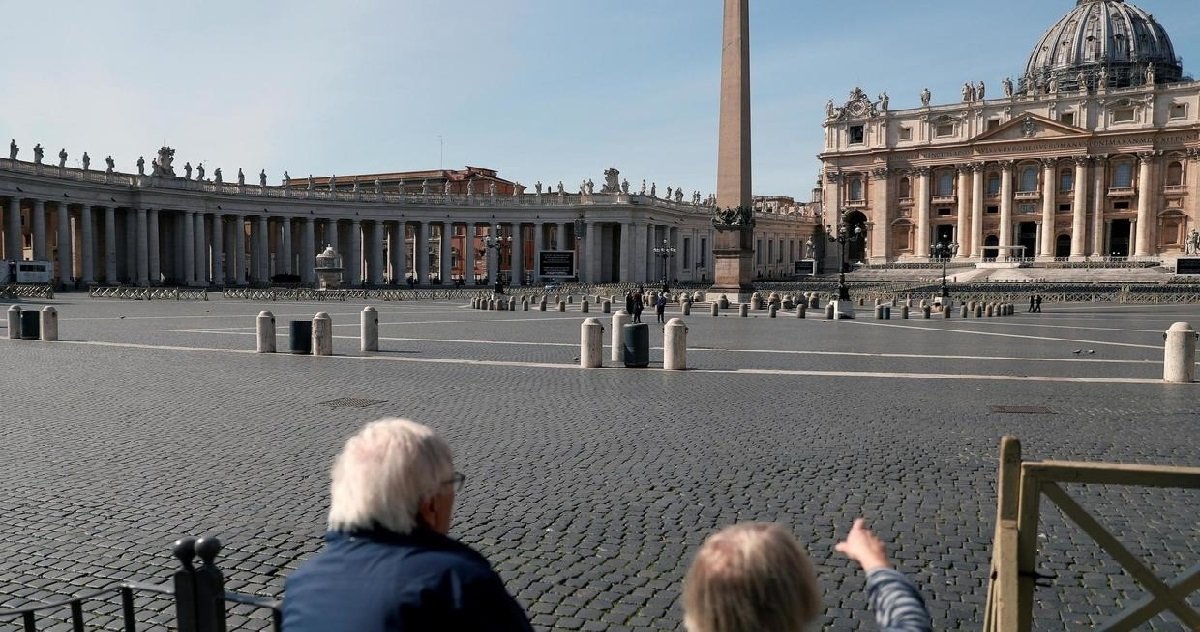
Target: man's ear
[(427, 512)]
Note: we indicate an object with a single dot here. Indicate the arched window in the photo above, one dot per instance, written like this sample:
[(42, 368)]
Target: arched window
[(945, 184), (1122, 176), (856, 189), (993, 184), (905, 188), (1029, 180), (1175, 174), (1066, 180)]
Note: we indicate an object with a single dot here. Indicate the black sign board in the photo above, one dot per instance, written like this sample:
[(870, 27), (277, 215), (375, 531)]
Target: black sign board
[(1187, 266), (556, 264)]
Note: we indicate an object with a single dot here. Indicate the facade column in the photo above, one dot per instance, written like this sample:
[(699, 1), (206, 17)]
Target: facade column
[(640, 246), (130, 247), (560, 238), (396, 252), (176, 221), (63, 237), (283, 261), (239, 248), (189, 248), (518, 254), (354, 256), (331, 237), (539, 244), (446, 259), (218, 249), (1099, 247), (924, 237), (1145, 212), (87, 245), (421, 252), (1006, 206), (262, 256), (975, 248), (142, 245), (963, 232), (308, 274), (626, 266), (376, 256), (110, 245), (881, 214), (673, 237), (1079, 210), (201, 251), (154, 263), (1049, 188), (1038, 235), (39, 231), (13, 240), (833, 198), (1108, 238)]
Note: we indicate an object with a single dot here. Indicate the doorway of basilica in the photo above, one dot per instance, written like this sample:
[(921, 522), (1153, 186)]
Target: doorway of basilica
[(857, 250), (1118, 238)]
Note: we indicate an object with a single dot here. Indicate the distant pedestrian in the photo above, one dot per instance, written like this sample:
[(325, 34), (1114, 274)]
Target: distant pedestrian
[(639, 304), (1032, 302), (1037, 303), (660, 308), (629, 303)]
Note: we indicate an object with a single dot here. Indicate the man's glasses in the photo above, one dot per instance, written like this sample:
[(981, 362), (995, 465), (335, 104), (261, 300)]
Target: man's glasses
[(458, 480)]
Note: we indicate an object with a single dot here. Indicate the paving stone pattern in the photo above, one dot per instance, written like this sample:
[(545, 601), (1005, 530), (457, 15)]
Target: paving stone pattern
[(589, 490)]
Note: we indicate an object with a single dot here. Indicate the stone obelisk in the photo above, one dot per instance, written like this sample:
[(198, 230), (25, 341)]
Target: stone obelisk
[(733, 250)]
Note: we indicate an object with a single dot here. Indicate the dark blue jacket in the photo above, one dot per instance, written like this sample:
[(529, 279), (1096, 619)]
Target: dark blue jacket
[(380, 581)]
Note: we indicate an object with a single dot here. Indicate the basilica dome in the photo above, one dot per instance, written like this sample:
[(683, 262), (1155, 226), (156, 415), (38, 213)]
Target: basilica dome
[(1102, 41)]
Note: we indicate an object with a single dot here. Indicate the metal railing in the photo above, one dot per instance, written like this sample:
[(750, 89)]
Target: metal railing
[(148, 293), (27, 290), (198, 592)]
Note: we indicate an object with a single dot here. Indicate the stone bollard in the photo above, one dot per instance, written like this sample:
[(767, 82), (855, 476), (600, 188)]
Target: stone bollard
[(512, 304), (542, 305), (772, 311), (971, 305), (49, 324), (368, 335), (14, 323), (686, 308), (878, 311), (947, 311), (583, 306), (926, 311), (675, 345), (965, 312), (525, 305), (988, 311), (723, 302), (322, 334), (714, 309), (1179, 358), (800, 309), (606, 306), (887, 312), (265, 332), (878, 302), (756, 301), (591, 344), (743, 310), (904, 311), (570, 299), (979, 310), (829, 310), (619, 320), (813, 301), (562, 306)]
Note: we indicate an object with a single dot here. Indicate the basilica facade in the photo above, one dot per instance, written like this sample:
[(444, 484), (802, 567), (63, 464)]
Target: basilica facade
[(1093, 152)]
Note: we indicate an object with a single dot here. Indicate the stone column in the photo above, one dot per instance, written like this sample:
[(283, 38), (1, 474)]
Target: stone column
[(354, 254), (421, 250), (65, 256), (201, 251), (1006, 205), (218, 249), (110, 245), (963, 234), (518, 254), (142, 245), (176, 221), (87, 244), (130, 246), (924, 238), (308, 252), (13, 242), (1099, 246), (641, 244), (1049, 182), (563, 241), (39, 230), (539, 244), (239, 247), (446, 259), (376, 257), (283, 262), (189, 248), (675, 261), (1145, 210), (625, 269), (154, 265), (1079, 210), (396, 251), (976, 244), (880, 203), (262, 260)]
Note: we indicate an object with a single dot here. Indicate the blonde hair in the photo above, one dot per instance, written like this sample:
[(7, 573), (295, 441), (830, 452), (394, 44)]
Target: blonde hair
[(751, 577), (384, 472)]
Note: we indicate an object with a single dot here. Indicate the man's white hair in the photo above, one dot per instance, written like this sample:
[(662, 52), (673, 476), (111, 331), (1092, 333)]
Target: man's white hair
[(384, 472)]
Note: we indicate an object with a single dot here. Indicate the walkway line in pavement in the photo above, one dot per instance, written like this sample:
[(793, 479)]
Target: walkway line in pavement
[(853, 354), (550, 365), (1004, 335)]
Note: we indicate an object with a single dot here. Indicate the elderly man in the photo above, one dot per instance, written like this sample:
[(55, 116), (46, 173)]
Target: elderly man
[(388, 565)]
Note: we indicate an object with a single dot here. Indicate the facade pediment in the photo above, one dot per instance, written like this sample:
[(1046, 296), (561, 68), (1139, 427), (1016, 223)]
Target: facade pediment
[(1031, 127)]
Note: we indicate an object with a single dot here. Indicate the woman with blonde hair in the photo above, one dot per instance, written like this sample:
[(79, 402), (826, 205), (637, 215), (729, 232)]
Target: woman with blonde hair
[(754, 577)]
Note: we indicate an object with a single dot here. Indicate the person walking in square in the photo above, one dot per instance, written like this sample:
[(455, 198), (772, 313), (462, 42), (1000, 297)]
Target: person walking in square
[(1037, 303), (639, 304), (660, 308), (1032, 302), (629, 303)]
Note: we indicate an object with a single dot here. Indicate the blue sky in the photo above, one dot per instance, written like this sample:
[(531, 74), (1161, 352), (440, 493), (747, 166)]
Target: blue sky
[(539, 89)]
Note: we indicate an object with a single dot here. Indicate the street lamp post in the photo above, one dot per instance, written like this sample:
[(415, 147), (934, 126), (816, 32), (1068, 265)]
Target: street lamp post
[(842, 236), (944, 252), (666, 251), (496, 241)]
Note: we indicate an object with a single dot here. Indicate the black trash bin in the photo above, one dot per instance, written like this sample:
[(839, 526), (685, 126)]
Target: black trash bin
[(636, 340), (300, 337), (31, 325)]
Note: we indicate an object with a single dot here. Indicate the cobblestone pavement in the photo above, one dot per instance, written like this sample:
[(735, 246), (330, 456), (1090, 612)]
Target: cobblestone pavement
[(590, 490)]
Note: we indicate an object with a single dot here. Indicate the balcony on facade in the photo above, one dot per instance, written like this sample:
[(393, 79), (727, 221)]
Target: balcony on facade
[(945, 199), (1114, 192), (856, 203), (1028, 195), (1175, 190)]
